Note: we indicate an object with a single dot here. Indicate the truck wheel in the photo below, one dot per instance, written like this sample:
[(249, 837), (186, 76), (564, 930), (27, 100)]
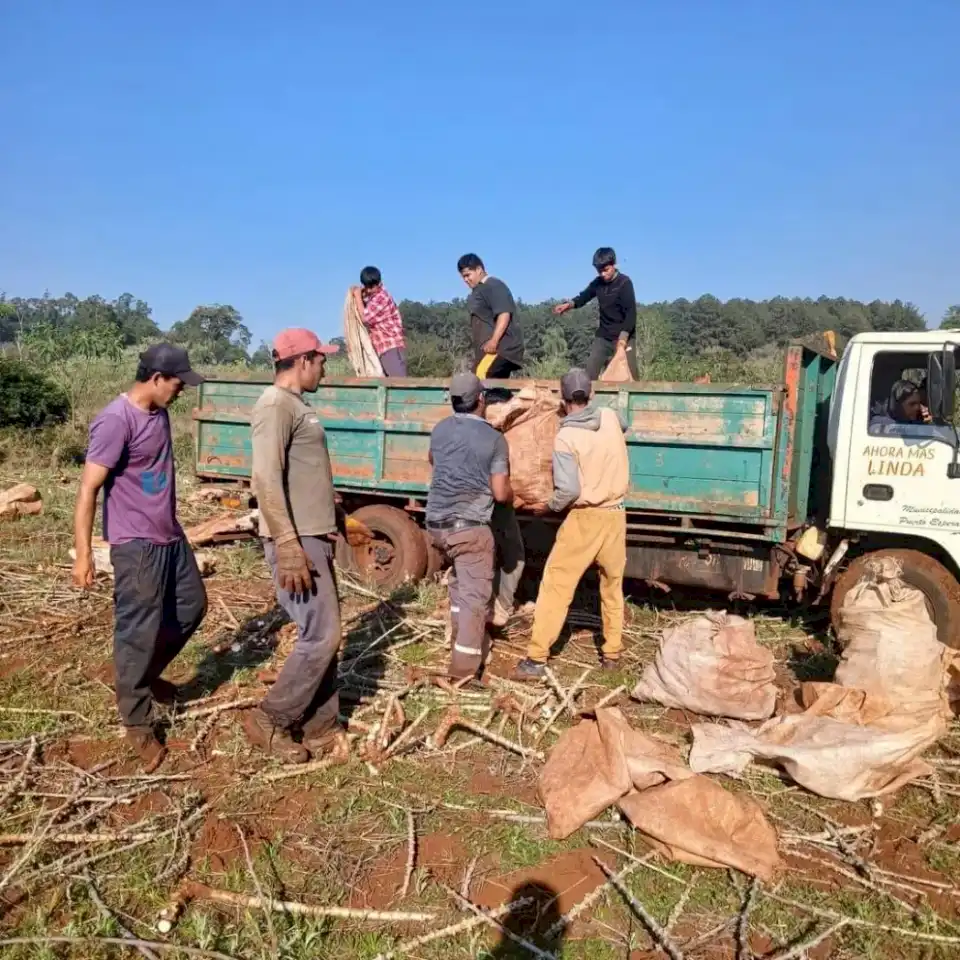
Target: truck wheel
[(397, 554), (929, 576), (434, 557)]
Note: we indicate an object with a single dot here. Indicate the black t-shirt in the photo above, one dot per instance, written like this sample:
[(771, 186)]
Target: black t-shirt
[(486, 302), (617, 303)]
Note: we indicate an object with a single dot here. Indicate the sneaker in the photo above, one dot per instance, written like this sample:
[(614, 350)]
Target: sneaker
[(147, 747), (263, 733), (529, 670), (500, 616), (609, 666), (165, 692), (331, 743)]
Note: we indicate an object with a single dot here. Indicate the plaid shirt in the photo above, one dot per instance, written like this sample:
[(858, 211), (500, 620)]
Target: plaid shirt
[(382, 318)]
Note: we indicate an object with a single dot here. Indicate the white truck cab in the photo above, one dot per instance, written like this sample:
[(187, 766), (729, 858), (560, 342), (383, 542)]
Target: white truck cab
[(895, 482)]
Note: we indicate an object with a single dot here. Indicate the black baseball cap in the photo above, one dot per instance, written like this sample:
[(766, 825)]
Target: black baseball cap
[(577, 381), (466, 387), (171, 360)]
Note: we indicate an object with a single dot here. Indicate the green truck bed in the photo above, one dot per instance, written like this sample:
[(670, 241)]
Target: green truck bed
[(740, 453)]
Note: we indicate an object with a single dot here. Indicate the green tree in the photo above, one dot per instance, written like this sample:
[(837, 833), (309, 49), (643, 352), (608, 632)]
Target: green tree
[(951, 318), (214, 334)]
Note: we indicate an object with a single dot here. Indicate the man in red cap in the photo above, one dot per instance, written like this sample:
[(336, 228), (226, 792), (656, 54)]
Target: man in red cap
[(293, 484)]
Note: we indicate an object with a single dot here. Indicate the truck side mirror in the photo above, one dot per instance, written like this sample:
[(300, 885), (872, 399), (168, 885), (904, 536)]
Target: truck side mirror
[(941, 383)]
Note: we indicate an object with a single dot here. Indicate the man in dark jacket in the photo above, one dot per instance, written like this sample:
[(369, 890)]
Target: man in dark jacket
[(614, 294)]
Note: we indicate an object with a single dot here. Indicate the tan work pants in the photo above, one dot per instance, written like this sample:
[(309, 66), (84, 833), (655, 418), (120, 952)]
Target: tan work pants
[(588, 535)]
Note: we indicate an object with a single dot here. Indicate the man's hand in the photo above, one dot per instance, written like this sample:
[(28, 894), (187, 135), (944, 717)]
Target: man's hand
[(294, 570), (561, 308), (490, 346), (621, 346), (83, 572), (539, 509), (925, 415)]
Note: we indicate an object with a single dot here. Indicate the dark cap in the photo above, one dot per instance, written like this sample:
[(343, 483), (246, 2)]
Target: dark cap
[(466, 387), (574, 382), (171, 360)]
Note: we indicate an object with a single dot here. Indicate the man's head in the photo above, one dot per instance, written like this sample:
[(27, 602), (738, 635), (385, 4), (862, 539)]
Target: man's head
[(466, 394), (605, 263), (299, 357), (164, 370), (471, 269), (575, 389), (370, 278)]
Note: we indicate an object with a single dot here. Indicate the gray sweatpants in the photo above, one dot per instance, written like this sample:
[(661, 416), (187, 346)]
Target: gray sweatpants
[(601, 353), (159, 600), (510, 555), (306, 692)]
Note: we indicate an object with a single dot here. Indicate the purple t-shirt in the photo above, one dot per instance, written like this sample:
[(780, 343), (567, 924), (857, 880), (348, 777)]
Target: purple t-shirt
[(140, 495)]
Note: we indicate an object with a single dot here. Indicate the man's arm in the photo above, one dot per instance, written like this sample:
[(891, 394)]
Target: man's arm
[(500, 472), (566, 477), (94, 476), (580, 300), (501, 303), (628, 301)]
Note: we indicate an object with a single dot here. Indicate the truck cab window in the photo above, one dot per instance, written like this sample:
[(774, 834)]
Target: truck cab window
[(898, 395)]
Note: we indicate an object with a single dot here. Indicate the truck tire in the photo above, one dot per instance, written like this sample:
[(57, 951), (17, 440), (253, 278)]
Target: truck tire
[(929, 576), (397, 555)]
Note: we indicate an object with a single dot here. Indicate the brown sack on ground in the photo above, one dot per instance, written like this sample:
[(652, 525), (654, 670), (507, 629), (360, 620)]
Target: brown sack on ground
[(712, 665), (529, 421), (618, 370), (828, 757), (594, 764), (19, 501), (890, 642), (697, 821)]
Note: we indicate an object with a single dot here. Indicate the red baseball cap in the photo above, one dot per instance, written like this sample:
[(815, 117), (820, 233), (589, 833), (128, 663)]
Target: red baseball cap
[(296, 341)]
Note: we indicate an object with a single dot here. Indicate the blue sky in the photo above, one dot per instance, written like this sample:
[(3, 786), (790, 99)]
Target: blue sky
[(260, 154)]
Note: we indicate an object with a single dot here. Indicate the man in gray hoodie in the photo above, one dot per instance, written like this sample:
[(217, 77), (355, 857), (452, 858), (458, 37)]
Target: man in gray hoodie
[(591, 475)]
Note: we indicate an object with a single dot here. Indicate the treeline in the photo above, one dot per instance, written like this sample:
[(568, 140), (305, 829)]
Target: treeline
[(438, 333)]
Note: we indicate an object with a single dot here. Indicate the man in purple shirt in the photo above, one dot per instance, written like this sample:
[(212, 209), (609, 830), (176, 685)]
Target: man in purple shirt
[(159, 597)]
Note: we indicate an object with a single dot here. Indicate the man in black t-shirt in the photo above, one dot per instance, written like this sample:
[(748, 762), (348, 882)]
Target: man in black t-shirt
[(497, 340), (614, 294)]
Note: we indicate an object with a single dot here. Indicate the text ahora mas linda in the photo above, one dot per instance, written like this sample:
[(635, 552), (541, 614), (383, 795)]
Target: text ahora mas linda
[(891, 461)]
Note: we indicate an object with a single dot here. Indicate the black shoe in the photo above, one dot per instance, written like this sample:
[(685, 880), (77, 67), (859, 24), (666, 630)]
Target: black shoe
[(528, 670), (609, 666)]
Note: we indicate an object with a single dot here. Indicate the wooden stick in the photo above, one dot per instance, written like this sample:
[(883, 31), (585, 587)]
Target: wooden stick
[(108, 914), (53, 713), (453, 719), (462, 926), (17, 782), (405, 735), (256, 884), (497, 925), (610, 697), (106, 836), (589, 900), (660, 936), (219, 708), (801, 949), (285, 773), (565, 704), (200, 891), (630, 856), (118, 942), (743, 922), (411, 855)]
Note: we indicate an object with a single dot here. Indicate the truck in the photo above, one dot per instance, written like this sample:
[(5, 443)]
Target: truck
[(781, 491)]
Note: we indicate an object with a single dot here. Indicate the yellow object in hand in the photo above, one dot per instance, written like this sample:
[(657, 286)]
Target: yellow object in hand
[(485, 364)]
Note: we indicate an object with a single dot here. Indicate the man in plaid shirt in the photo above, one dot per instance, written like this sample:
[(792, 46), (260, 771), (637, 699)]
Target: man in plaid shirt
[(383, 321)]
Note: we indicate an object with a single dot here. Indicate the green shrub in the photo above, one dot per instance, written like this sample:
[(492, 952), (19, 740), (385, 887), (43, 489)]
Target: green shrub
[(28, 398)]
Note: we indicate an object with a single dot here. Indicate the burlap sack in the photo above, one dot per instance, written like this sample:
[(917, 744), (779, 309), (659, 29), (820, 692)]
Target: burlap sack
[(617, 370), (696, 821), (843, 761), (891, 647), (594, 764), (712, 665), (529, 421), (363, 358)]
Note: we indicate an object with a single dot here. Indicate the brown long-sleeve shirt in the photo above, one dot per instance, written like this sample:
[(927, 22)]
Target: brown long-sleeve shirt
[(292, 477)]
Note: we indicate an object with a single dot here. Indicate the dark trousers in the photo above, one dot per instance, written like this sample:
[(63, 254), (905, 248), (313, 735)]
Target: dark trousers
[(306, 692), (470, 551), (501, 369), (601, 353), (510, 555), (159, 600), (394, 362)]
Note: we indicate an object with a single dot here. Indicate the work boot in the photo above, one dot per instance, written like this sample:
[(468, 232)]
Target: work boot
[(500, 616), (147, 747), (165, 692), (609, 666), (528, 670), (330, 742), (262, 732)]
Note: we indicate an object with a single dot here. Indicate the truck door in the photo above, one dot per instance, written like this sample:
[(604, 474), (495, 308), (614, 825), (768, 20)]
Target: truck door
[(897, 470)]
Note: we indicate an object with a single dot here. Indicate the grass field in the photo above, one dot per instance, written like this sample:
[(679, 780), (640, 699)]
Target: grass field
[(91, 850)]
